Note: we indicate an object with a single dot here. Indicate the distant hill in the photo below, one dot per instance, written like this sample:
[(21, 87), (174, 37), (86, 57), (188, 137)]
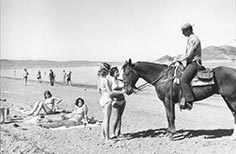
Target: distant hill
[(5, 63), (225, 52), (165, 59), (219, 53)]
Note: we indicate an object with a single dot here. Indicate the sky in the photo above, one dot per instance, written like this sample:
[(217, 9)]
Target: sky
[(111, 30)]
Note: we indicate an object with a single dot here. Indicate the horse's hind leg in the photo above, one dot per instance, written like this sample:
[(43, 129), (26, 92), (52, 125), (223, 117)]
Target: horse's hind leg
[(233, 136), (232, 105)]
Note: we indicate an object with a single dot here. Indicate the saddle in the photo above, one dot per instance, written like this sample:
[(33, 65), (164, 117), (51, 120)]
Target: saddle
[(204, 77)]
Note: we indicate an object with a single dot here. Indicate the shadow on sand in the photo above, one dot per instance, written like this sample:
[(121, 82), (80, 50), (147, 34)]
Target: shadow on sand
[(181, 134)]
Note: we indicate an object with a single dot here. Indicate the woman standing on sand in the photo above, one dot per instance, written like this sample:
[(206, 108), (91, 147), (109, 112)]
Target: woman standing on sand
[(49, 106), (104, 88), (118, 102)]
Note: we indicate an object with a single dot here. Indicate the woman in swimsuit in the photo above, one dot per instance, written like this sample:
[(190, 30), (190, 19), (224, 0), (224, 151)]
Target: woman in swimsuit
[(79, 113), (78, 116), (104, 88), (118, 102), (48, 106)]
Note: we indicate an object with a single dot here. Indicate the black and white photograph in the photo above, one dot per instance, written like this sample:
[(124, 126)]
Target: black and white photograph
[(118, 77)]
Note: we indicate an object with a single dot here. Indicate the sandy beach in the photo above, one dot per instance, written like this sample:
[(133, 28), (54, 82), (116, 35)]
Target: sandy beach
[(205, 129)]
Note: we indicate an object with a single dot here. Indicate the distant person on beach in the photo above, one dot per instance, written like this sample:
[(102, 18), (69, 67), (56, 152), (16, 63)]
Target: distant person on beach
[(52, 77), (49, 105), (78, 116), (14, 73), (25, 76), (68, 79), (64, 77), (39, 77), (118, 101)]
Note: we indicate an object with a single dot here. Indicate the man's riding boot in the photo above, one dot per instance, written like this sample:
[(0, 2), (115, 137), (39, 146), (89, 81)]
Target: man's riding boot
[(182, 103), (188, 105), (185, 105)]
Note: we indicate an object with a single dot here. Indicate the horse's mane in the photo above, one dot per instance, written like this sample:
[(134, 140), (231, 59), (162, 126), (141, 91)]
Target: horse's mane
[(151, 64), (156, 68), (143, 66)]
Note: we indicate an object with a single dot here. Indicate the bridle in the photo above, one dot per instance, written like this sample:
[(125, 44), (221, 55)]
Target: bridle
[(145, 85)]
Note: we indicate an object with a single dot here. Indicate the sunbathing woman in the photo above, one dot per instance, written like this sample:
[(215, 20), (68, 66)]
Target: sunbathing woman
[(78, 116), (49, 106)]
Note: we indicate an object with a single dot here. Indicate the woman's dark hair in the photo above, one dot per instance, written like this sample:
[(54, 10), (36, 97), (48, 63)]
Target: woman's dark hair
[(113, 70), (77, 101), (47, 92)]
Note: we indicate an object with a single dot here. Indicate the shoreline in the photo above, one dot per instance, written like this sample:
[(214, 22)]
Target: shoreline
[(79, 85)]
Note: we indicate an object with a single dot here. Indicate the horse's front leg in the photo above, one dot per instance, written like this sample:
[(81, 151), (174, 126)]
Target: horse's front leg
[(170, 114)]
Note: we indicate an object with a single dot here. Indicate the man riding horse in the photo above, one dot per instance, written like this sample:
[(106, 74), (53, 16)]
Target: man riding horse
[(193, 63), (161, 76)]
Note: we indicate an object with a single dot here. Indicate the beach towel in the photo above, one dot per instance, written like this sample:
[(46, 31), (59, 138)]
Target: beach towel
[(32, 120), (76, 127), (56, 111)]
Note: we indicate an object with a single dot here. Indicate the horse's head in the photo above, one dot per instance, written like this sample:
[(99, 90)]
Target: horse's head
[(130, 77)]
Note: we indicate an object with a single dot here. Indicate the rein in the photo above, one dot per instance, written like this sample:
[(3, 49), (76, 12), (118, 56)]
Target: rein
[(143, 86)]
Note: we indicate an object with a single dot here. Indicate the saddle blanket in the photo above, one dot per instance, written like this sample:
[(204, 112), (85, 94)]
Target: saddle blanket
[(202, 78), (196, 82)]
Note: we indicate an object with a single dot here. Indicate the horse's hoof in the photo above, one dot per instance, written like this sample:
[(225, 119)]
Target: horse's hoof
[(170, 136)]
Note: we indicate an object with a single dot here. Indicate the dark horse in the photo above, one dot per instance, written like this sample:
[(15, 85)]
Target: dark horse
[(160, 76)]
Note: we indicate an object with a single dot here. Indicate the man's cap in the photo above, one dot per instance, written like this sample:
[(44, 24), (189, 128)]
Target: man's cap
[(186, 26)]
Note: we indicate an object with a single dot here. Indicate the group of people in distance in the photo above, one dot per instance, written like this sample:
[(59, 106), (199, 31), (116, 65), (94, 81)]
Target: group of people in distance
[(52, 76)]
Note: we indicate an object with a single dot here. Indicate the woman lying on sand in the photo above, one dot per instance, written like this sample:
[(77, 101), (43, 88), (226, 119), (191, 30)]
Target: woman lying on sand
[(48, 106), (78, 116)]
